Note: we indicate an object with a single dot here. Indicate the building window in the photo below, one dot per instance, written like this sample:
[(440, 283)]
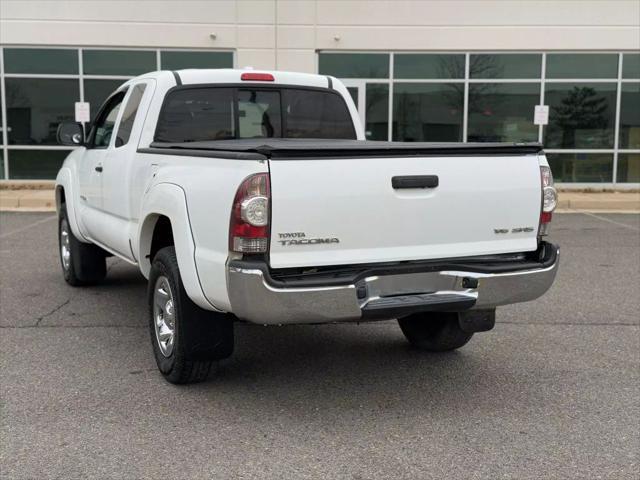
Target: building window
[(630, 116), (35, 107), (176, 60), (118, 62), (41, 61), (629, 168), (416, 65), (355, 65), (582, 65), (35, 164), (377, 108), (428, 112), (501, 112), (42, 84), (581, 115), (631, 65), (509, 65), (581, 167)]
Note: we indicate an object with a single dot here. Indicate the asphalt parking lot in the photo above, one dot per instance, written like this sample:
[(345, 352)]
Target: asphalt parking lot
[(552, 392)]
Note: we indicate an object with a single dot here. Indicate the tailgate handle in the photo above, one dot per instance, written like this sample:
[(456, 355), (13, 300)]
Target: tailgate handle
[(415, 181)]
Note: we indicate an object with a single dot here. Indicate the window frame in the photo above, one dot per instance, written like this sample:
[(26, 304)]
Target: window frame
[(235, 87), (106, 108), (125, 103)]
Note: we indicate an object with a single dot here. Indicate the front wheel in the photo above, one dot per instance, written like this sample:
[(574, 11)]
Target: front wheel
[(186, 339), (434, 331), (82, 263)]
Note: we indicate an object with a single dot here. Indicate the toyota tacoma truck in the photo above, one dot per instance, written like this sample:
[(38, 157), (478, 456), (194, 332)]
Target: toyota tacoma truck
[(254, 196)]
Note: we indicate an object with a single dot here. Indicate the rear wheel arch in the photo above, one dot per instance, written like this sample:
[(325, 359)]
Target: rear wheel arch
[(169, 201), (156, 233), (162, 236)]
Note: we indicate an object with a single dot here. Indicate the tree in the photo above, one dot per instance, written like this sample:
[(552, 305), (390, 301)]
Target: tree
[(581, 109)]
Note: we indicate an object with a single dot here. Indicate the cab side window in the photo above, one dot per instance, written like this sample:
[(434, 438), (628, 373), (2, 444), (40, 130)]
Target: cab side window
[(105, 122), (129, 115)]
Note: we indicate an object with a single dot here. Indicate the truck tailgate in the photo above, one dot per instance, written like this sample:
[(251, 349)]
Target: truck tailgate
[(334, 210)]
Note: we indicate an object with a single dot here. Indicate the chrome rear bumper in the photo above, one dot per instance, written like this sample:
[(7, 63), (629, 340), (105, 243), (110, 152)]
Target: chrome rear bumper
[(255, 298)]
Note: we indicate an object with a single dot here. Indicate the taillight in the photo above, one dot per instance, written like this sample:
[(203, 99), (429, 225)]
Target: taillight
[(549, 200), (257, 77), (249, 226)]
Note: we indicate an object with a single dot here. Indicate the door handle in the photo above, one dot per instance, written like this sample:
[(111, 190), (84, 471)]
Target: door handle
[(99, 168), (415, 181)]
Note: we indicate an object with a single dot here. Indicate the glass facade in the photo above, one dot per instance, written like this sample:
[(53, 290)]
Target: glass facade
[(41, 85), (593, 134)]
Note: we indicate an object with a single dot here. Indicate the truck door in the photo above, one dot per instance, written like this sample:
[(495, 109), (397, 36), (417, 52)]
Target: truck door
[(120, 175), (99, 144)]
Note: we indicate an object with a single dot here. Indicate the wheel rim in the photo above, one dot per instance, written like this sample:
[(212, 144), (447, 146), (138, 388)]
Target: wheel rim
[(65, 246), (164, 316)]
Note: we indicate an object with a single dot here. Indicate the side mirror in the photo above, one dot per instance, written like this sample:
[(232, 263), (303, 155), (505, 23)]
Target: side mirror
[(70, 133)]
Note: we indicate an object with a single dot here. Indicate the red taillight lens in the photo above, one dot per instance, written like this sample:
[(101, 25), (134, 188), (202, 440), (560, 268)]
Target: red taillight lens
[(549, 200), (249, 226), (257, 77)]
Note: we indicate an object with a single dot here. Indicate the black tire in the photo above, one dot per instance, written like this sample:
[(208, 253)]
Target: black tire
[(200, 337), (434, 331), (85, 263)]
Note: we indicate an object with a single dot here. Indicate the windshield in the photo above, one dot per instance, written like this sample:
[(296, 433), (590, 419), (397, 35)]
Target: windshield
[(222, 113)]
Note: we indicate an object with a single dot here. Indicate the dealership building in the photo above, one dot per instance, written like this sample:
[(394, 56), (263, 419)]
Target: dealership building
[(432, 70)]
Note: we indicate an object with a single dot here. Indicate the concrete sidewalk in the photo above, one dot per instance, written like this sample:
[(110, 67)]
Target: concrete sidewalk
[(27, 200), (40, 198), (626, 202)]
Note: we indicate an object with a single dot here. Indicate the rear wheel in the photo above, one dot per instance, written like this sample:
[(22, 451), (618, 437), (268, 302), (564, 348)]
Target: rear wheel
[(82, 263), (434, 331), (186, 339)]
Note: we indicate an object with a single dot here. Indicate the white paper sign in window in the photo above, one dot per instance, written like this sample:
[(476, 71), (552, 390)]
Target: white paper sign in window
[(541, 115), (82, 112)]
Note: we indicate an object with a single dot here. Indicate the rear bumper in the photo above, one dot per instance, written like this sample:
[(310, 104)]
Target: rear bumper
[(258, 298)]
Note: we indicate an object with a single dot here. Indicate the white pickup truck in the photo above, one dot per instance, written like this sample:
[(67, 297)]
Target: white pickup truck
[(253, 196)]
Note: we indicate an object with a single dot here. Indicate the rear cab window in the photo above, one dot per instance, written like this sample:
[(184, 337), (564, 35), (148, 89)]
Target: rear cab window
[(191, 114)]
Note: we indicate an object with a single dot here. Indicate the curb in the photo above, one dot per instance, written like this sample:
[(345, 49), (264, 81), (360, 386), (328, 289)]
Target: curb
[(40, 197), (561, 211), (27, 200)]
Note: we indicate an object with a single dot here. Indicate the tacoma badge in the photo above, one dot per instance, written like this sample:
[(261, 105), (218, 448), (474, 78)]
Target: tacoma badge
[(299, 238)]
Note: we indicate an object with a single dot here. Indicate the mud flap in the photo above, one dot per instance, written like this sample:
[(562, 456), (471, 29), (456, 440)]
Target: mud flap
[(473, 321)]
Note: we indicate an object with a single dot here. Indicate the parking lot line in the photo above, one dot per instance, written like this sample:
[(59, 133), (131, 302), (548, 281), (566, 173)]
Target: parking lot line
[(26, 227), (604, 219)]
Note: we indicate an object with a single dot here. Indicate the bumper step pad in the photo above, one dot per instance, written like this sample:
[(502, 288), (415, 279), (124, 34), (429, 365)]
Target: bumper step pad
[(402, 305)]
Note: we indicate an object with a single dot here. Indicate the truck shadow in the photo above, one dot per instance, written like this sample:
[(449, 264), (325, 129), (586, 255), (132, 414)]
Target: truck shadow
[(310, 371), (314, 370)]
